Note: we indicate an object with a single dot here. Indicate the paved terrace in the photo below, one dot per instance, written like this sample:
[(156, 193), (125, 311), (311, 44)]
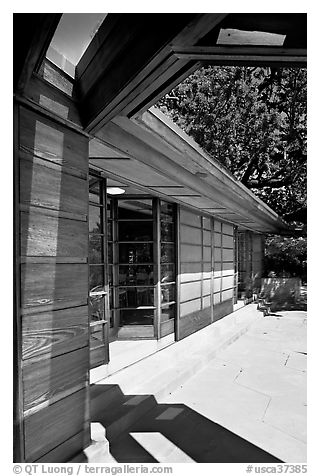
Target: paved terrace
[(233, 392)]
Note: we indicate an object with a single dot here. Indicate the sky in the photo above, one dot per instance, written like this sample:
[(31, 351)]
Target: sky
[(73, 34)]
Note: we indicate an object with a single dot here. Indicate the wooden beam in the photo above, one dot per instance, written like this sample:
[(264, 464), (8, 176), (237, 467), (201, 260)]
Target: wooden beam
[(133, 61), (183, 68), (32, 35), (18, 447), (233, 55)]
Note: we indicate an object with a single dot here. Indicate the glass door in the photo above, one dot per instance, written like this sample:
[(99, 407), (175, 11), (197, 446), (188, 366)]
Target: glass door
[(98, 276), (134, 270)]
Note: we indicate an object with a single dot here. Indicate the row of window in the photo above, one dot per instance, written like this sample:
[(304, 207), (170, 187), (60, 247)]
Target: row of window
[(123, 257)]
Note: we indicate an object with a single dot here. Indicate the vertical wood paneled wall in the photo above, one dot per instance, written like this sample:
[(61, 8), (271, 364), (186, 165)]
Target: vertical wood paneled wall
[(53, 195)]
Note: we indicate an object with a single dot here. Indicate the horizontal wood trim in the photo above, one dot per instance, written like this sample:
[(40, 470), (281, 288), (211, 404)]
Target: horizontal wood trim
[(55, 398), (54, 332), (52, 259), (50, 97), (193, 322), (46, 429), (43, 112), (47, 235), (54, 285), (57, 306), (28, 154), (68, 449), (52, 212), (50, 140), (48, 379), (53, 188)]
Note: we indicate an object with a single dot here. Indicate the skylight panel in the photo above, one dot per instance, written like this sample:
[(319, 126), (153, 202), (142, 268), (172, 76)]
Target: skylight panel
[(71, 39), (231, 36)]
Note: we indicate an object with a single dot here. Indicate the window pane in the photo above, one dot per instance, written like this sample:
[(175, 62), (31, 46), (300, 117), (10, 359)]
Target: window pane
[(111, 318), (132, 253), (97, 308), (167, 211), (136, 275), (94, 189), (167, 253), (109, 210), (168, 312), (95, 249), (110, 275), (96, 277), (135, 297), (96, 337), (135, 231), (167, 231), (111, 305), (206, 223), (95, 219), (167, 273), (109, 230), (136, 316), (110, 253), (168, 293), (135, 209)]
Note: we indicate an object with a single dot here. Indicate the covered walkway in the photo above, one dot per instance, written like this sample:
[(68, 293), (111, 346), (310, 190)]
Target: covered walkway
[(241, 398)]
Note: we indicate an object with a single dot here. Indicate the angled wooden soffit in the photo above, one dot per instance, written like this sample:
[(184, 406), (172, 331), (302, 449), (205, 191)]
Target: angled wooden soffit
[(131, 62), (154, 142)]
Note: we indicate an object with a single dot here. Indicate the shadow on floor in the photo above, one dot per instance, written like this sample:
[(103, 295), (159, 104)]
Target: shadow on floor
[(170, 429)]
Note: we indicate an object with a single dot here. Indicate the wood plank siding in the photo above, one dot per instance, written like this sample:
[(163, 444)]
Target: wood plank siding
[(53, 205)]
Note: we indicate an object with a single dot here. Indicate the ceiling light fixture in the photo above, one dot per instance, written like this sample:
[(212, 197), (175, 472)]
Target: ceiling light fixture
[(115, 191)]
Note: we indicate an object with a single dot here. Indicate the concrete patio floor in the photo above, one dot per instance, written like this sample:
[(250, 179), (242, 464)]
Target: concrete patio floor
[(245, 404), (257, 387)]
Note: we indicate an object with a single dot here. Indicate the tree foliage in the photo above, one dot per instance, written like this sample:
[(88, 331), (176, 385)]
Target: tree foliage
[(286, 256), (253, 121)]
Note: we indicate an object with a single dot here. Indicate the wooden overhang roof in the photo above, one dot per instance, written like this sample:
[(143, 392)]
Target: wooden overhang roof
[(132, 61), (153, 153), (136, 58)]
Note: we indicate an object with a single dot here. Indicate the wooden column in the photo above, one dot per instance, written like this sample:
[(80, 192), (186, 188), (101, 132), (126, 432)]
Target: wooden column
[(52, 317)]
